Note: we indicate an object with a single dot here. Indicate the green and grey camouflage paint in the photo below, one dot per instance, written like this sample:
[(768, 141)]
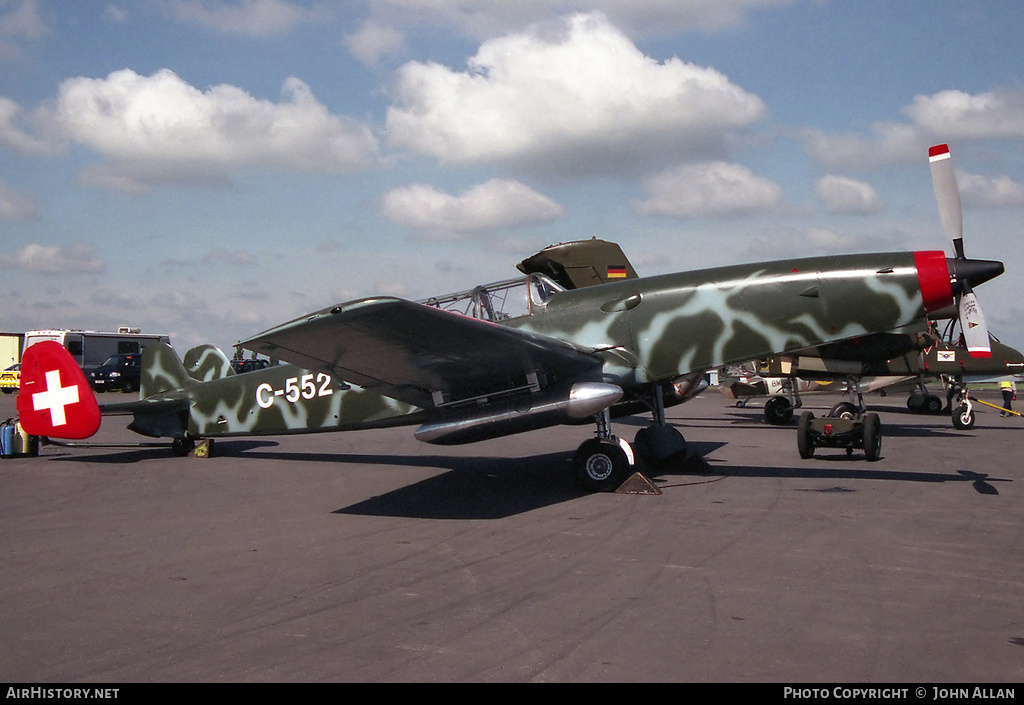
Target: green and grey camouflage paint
[(658, 328), (633, 333), (277, 400)]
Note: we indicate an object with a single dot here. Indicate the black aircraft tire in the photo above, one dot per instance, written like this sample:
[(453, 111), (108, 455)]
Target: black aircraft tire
[(933, 405), (659, 445), (963, 418), (600, 466), (872, 437), (182, 446), (778, 411), (843, 410), (918, 403), (804, 443)]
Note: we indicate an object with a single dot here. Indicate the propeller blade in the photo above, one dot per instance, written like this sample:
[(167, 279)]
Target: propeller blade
[(975, 330), (948, 196)]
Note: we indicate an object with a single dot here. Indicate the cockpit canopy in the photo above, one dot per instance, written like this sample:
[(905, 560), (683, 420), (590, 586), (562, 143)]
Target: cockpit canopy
[(500, 301)]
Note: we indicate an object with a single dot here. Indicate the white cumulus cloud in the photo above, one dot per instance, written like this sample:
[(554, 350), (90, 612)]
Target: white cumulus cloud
[(960, 115), (840, 194), (374, 41), (708, 189), (946, 116), (158, 128), (253, 18), (990, 191), (49, 259), (487, 18), (498, 203), (581, 96)]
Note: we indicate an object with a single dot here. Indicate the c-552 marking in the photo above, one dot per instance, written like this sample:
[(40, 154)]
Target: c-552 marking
[(295, 388)]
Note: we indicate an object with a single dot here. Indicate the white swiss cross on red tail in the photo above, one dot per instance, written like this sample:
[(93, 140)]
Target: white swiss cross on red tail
[(54, 399)]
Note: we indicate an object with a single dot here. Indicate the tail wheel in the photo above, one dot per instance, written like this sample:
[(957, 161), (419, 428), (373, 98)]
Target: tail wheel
[(872, 437), (600, 466)]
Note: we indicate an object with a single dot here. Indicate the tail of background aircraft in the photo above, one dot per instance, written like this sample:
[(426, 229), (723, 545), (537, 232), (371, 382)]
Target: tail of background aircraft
[(206, 363), (162, 371)]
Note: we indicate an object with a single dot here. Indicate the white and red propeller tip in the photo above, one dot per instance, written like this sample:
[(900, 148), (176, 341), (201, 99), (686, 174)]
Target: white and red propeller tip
[(947, 194), (54, 398)]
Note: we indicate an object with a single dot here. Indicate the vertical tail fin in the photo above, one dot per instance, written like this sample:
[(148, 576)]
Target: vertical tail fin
[(55, 399), (162, 371)]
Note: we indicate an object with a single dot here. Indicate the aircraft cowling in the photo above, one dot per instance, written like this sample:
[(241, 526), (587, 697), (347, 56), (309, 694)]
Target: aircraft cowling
[(519, 414)]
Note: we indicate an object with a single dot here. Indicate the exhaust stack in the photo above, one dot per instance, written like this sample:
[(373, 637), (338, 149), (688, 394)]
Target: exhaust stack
[(520, 414)]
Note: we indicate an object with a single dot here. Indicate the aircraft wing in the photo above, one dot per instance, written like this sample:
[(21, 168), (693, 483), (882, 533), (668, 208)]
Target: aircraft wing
[(419, 354)]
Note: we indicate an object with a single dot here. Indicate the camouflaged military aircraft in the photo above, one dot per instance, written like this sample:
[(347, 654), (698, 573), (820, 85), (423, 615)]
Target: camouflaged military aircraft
[(785, 380), (915, 353), (466, 368)]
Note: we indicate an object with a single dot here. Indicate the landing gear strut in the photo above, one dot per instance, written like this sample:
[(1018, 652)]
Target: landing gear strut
[(659, 442), (603, 463)]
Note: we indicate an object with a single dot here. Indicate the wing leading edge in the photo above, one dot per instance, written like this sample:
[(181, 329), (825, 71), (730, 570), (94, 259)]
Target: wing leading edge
[(423, 355)]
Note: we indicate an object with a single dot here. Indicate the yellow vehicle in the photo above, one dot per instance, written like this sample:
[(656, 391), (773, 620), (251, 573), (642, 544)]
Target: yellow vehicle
[(10, 379)]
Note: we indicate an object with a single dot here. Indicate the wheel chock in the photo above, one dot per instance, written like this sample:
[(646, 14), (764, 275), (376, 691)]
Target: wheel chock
[(203, 449), (637, 484)]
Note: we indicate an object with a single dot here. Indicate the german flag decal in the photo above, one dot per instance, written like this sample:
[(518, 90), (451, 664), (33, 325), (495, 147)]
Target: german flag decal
[(616, 271)]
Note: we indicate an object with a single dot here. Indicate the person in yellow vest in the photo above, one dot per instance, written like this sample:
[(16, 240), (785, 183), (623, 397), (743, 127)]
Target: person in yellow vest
[(1009, 389)]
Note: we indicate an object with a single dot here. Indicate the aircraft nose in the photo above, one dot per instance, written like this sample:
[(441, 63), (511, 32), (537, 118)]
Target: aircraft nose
[(975, 271)]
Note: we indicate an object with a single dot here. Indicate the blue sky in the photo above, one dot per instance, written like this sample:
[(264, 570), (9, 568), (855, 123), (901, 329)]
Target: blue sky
[(208, 169)]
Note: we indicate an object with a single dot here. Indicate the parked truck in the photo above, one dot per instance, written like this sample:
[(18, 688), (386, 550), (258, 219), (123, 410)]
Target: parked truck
[(92, 348)]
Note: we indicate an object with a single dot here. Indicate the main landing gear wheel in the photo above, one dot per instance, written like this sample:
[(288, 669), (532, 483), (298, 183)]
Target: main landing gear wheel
[(844, 410), (963, 417), (601, 465), (924, 403), (660, 445), (778, 411)]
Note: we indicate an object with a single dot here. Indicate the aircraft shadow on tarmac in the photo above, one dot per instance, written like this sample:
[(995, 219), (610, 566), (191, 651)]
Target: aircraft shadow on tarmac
[(475, 488), (981, 482), (892, 429)]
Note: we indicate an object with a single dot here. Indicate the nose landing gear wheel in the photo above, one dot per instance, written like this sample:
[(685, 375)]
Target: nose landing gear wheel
[(963, 417)]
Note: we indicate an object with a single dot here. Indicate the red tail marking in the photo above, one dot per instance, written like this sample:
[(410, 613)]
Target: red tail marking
[(54, 398)]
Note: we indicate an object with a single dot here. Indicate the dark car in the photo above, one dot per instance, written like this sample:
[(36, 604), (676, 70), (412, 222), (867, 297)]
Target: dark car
[(240, 366), (119, 372)]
